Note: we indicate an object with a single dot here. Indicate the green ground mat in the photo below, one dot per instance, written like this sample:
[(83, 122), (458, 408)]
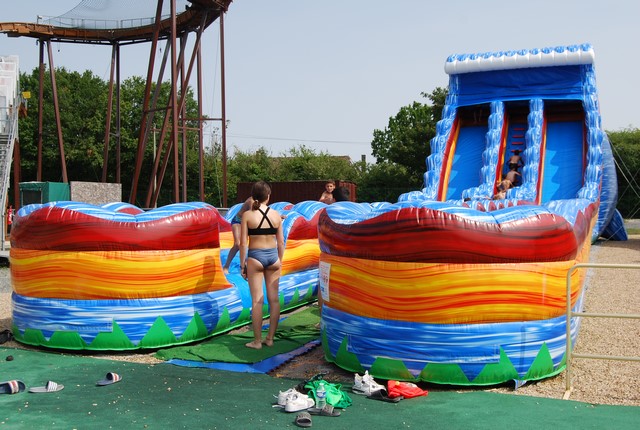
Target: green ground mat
[(295, 330), (164, 396)]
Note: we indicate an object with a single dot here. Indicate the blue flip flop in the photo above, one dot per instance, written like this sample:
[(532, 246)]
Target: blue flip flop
[(12, 387), (111, 378)]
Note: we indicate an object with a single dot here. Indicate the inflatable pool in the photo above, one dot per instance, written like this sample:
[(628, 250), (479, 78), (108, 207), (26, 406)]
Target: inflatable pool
[(118, 278), (448, 285), (451, 285)]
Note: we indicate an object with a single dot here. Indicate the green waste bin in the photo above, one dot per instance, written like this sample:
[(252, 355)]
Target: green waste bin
[(43, 192)]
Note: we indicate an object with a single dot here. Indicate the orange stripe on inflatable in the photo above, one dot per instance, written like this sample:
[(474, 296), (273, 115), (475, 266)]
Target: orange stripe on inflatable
[(300, 255), (450, 293), (448, 160), (226, 239), (541, 169), (134, 274), (116, 274)]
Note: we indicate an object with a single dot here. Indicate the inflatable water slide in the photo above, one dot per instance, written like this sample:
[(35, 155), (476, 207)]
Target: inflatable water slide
[(455, 283), (115, 277), (452, 285)]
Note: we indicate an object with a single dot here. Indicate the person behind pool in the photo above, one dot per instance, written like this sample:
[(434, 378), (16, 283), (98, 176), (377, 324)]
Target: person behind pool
[(235, 230), (9, 219), (341, 194), (515, 161), (261, 252), (327, 195)]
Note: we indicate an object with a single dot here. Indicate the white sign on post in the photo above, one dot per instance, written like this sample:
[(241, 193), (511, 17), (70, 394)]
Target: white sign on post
[(325, 271)]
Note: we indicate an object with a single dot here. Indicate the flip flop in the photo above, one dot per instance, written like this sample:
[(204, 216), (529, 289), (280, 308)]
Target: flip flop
[(327, 411), (303, 420), (5, 336), (111, 378), (12, 387), (383, 396), (51, 387)]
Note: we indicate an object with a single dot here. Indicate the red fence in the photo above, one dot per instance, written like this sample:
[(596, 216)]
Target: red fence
[(295, 191)]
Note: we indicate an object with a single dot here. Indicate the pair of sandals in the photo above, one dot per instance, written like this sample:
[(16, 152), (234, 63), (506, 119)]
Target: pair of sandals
[(15, 386), (303, 419)]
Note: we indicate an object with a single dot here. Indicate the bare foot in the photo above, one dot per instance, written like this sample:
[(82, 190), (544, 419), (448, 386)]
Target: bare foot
[(268, 342), (256, 344), (225, 270)]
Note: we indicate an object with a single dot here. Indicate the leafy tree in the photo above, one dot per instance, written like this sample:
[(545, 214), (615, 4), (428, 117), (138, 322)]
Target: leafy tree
[(297, 164), (82, 101), (384, 182), (405, 140), (626, 151), (132, 95), (83, 105), (248, 167), (304, 164), (400, 149), (212, 180)]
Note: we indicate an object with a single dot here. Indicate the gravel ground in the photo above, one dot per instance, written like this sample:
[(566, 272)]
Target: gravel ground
[(594, 381)]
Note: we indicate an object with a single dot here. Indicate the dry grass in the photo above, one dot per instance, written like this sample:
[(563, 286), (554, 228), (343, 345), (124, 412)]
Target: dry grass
[(609, 291), (594, 381)]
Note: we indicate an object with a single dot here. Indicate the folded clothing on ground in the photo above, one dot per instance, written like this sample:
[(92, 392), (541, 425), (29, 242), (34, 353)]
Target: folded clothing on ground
[(404, 389)]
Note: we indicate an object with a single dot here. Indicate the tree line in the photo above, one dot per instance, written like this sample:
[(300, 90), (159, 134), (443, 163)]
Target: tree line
[(400, 148)]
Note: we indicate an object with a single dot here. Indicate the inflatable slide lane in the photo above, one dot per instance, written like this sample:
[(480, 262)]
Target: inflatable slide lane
[(464, 282), (118, 278)]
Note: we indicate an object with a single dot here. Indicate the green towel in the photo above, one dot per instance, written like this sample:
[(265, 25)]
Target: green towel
[(295, 330), (335, 396)]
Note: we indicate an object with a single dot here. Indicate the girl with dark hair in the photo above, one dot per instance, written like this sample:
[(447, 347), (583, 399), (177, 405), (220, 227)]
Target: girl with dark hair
[(261, 252)]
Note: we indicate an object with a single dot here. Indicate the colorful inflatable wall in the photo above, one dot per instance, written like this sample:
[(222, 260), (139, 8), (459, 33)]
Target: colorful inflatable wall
[(118, 278), (450, 285), (447, 285)]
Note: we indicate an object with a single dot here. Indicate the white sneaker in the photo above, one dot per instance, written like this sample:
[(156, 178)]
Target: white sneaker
[(298, 402), (366, 385), (284, 395)]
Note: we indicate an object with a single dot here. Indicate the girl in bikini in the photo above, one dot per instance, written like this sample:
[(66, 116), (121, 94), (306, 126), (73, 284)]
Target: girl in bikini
[(235, 230), (261, 251)]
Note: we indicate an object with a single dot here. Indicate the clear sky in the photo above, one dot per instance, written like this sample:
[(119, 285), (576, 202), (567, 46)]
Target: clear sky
[(325, 74)]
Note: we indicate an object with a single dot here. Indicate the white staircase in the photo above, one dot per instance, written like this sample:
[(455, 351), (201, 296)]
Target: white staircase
[(10, 99)]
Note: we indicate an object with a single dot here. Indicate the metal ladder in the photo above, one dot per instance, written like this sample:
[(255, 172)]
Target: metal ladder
[(9, 108), (8, 136)]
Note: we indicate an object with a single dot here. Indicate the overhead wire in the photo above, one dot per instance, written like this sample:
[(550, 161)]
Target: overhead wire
[(292, 139)]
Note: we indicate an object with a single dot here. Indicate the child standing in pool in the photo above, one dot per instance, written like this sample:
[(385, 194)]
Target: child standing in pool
[(261, 252), (327, 195)]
